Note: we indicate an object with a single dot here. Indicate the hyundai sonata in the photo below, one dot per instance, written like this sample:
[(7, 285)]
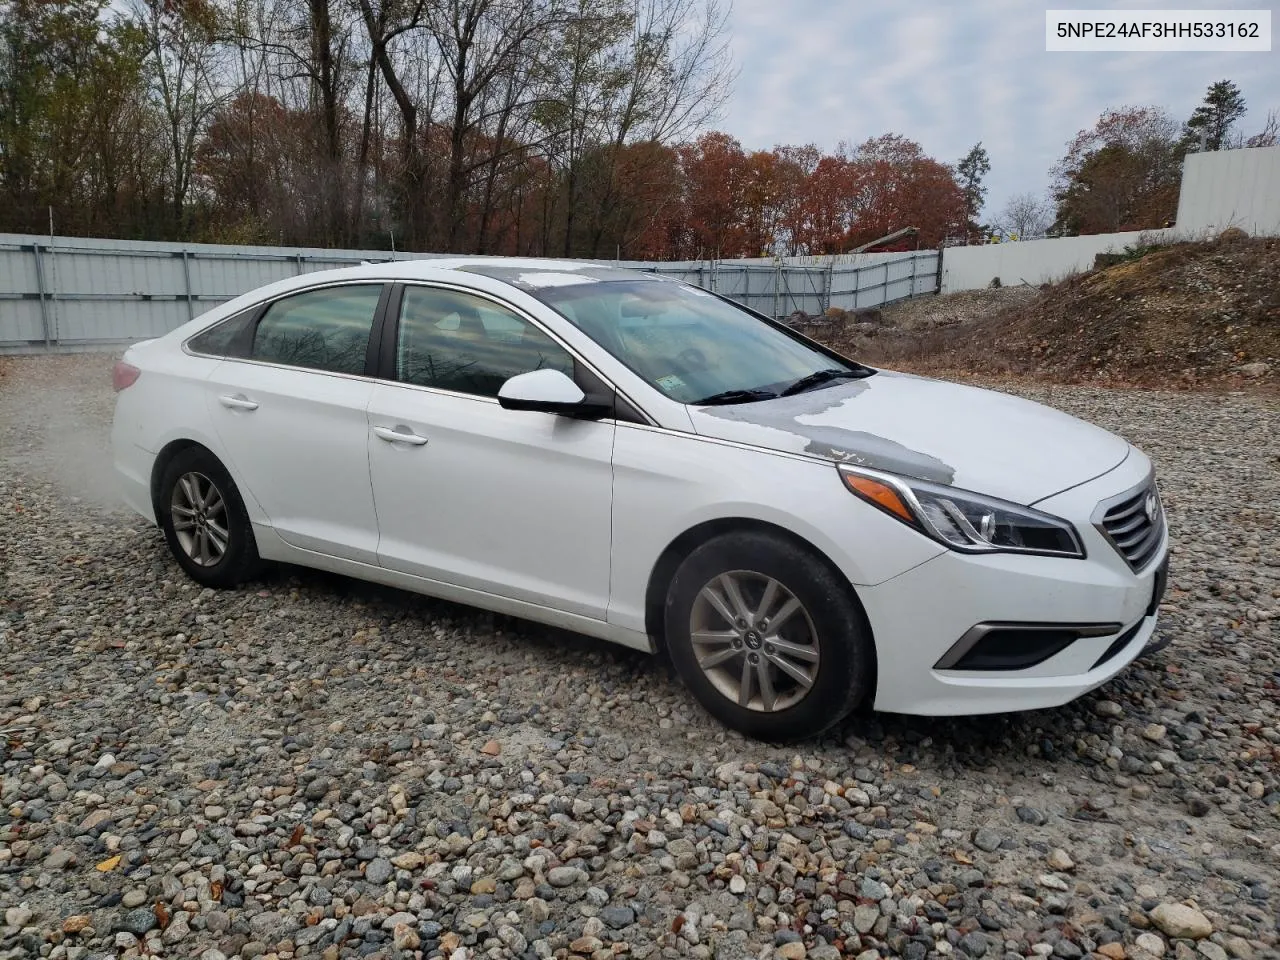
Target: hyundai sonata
[(646, 462)]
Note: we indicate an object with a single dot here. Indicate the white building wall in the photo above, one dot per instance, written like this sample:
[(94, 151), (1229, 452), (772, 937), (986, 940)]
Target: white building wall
[(1231, 188), (1035, 261)]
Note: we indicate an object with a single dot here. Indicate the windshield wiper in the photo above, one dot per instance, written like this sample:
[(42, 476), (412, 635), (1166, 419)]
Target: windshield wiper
[(819, 377), (735, 396)]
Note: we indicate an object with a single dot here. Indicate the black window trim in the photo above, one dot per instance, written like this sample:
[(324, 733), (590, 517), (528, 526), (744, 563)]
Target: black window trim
[(387, 329)]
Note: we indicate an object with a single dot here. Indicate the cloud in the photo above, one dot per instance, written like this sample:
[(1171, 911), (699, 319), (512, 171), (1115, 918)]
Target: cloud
[(948, 75)]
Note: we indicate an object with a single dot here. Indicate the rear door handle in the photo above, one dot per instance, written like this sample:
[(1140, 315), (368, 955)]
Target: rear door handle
[(238, 402), (400, 434)]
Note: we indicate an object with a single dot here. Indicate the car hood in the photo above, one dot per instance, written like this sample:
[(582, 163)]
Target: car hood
[(977, 440)]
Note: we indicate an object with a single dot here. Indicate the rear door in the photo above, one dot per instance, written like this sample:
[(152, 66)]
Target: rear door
[(290, 412), (512, 503)]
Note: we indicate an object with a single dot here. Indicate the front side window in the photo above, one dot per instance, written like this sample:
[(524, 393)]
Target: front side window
[(456, 341), (691, 345), (325, 329)]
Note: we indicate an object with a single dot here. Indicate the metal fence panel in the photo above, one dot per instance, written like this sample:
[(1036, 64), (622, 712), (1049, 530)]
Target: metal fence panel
[(17, 272), (65, 293), (225, 277), (885, 282), (20, 320)]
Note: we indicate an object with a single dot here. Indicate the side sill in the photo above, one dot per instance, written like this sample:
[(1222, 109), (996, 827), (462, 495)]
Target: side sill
[(271, 547)]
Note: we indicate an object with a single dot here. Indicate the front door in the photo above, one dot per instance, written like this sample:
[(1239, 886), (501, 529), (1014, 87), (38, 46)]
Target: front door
[(291, 419), (511, 503)]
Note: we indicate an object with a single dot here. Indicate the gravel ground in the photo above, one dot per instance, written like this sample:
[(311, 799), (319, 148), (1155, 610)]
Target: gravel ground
[(313, 767)]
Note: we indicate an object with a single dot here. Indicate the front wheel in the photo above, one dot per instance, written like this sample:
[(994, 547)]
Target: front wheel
[(767, 636)]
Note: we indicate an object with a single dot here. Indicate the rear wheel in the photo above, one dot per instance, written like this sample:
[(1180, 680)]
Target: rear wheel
[(205, 522), (767, 636)]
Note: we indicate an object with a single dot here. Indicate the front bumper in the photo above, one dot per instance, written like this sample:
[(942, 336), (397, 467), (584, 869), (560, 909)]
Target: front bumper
[(918, 617)]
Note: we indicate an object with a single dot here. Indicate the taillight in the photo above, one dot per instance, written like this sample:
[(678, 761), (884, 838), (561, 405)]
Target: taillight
[(124, 375)]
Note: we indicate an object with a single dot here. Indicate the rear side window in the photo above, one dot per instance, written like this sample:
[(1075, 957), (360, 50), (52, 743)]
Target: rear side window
[(324, 329), (223, 339)]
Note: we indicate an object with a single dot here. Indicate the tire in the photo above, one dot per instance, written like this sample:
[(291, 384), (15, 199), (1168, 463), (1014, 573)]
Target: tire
[(188, 512), (838, 660)]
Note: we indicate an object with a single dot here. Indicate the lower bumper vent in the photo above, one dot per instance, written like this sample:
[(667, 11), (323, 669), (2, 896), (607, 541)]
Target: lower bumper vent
[(1016, 646)]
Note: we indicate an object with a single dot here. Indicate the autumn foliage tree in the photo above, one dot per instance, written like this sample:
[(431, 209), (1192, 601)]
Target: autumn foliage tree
[(897, 186), (799, 201), (1122, 174)]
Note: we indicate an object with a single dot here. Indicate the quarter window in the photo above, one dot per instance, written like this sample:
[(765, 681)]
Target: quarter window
[(456, 341), (325, 329), (223, 339)]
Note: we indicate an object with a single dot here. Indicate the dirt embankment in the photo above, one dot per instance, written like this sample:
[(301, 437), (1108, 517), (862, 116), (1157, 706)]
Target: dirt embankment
[(1187, 315)]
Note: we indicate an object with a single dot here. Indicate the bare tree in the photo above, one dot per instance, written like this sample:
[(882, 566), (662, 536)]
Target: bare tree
[(1269, 135), (186, 63), (679, 76), (1025, 217), (384, 24), (481, 41)]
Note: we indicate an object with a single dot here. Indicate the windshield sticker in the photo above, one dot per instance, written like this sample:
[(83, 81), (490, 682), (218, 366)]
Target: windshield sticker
[(670, 382)]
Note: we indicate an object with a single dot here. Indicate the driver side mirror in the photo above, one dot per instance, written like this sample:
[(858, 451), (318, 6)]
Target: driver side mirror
[(549, 391)]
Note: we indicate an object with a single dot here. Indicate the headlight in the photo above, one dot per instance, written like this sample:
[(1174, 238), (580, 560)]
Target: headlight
[(961, 520)]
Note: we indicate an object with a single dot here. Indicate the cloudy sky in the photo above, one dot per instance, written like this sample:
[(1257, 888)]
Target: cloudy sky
[(948, 73)]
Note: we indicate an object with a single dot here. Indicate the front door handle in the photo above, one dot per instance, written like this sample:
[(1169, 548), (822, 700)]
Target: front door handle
[(238, 402), (400, 434)]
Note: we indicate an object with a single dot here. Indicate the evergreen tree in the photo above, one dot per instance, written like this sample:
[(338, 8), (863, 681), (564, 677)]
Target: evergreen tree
[(970, 172), (1223, 105)]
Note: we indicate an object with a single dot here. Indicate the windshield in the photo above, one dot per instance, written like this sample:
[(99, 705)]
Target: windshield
[(691, 345)]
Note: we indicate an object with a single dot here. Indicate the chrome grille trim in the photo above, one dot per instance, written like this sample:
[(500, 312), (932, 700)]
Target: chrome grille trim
[(1126, 524)]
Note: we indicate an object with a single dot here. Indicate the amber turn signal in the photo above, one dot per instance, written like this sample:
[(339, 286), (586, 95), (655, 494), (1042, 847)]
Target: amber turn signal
[(881, 494)]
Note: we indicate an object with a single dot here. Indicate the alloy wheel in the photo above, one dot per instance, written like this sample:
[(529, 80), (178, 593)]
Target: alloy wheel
[(754, 640), (200, 519)]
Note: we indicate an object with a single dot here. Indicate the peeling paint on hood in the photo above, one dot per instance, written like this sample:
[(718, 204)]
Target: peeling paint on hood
[(962, 436), (815, 417)]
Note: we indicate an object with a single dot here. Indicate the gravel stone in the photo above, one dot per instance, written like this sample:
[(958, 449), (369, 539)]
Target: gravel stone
[(1059, 859), (379, 870), (1150, 943), (565, 876), (618, 917), (1180, 920), (988, 840), (138, 922)]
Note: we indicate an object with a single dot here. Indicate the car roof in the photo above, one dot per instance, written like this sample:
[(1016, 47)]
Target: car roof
[(526, 273)]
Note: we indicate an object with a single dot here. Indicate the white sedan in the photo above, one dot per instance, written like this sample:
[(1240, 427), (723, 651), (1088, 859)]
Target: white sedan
[(645, 462)]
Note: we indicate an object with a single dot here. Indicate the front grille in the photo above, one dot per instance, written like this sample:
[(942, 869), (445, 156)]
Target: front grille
[(1135, 525)]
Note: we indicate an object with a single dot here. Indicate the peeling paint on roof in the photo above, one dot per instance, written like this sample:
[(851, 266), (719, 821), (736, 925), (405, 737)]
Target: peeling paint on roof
[(531, 278), (548, 279)]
